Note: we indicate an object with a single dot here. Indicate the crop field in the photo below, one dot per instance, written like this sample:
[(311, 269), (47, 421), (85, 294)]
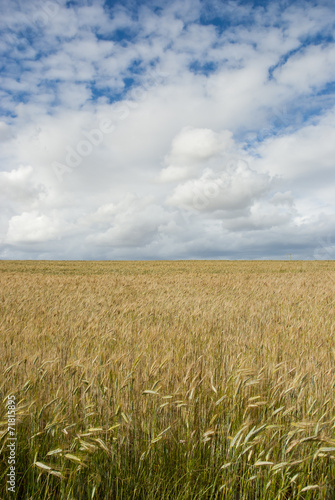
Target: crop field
[(168, 380)]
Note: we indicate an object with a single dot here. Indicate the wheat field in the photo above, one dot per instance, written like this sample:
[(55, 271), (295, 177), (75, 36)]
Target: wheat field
[(169, 380)]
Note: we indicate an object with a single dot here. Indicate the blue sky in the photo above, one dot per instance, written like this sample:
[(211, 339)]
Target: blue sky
[(182, 129)]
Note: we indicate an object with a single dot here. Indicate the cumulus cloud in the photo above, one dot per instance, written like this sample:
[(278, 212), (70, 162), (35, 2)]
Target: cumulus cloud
[(199, 144), (191, 147), (234, 189), (133, 222), (263, 215), (17, 187), (183, 130), (32, 227), (307, 69)]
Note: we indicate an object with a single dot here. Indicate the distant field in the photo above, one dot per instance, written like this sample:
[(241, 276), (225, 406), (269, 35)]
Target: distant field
[(169, 380)]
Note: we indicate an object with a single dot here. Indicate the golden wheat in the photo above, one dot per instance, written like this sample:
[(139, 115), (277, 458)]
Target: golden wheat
[(170, 379)]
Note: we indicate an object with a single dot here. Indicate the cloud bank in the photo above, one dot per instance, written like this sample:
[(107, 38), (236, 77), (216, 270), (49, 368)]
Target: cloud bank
[(179, 130)]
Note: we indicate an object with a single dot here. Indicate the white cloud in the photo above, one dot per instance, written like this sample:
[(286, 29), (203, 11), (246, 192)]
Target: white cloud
[(196, 97), (199, 144), (32, 227), (133, 222), (191, 147), (18, 188), (5, 132), (309, 151), (235, 188), (313, 67), (263, 215)]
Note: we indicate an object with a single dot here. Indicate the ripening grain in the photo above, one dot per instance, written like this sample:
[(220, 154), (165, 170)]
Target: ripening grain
[(166, 380)]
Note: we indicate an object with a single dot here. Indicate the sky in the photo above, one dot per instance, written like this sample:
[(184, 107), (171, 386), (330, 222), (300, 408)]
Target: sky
[(187, 129)]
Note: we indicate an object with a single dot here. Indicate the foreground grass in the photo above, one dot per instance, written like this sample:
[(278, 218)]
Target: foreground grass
[(179, 380)]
